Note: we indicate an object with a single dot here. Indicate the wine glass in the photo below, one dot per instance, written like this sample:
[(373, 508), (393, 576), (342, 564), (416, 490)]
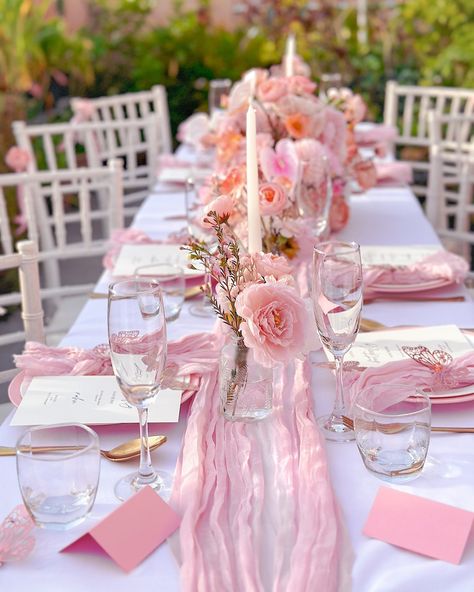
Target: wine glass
[(137, 339), (194, 210), (337, 304), (218, 91)]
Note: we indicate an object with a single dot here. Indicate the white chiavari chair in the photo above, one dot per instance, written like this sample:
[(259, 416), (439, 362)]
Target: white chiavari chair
[(6, 241), (66, 218), (55, 146), (450, 198), (26, 261), (406, 108), (132, 106)]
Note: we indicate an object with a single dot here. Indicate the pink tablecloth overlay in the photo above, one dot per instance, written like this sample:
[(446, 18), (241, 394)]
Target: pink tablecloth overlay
[(258, 511)]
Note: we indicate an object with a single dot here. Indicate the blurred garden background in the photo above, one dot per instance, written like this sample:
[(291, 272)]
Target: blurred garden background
[(52, 50)]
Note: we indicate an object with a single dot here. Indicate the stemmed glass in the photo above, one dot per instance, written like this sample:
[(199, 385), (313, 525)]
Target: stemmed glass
[(137, 338), (314, 200), (218, 89), (193, 206), (337, 303)]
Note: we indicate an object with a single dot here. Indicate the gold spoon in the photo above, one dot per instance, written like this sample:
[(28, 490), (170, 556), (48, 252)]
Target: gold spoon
[(122, 452), (394, 428)]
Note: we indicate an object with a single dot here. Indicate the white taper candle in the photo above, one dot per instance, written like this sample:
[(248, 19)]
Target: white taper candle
[(253, 206), (290, 51)]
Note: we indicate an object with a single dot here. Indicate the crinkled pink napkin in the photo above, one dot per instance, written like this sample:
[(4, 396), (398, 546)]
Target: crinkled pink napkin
[(394, 172), (16, 535), (187, 360), (459, 373), (375, 135), (258, 511), (442, 265)]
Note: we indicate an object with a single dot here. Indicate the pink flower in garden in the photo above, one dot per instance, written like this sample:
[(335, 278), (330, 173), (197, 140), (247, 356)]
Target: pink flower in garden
[(273, 199), (281, 162), (275, 321), (272, 89), (17, 159), (366, 174), (268, 264)]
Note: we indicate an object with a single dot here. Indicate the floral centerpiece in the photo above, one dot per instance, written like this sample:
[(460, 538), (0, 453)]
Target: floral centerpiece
[(302, 140), (256, 298)]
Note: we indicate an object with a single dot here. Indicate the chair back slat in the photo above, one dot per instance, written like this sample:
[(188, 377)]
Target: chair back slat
[(5, 233)]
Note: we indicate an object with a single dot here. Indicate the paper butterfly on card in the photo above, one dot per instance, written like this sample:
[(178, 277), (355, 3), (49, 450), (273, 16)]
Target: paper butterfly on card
[(435, 360)]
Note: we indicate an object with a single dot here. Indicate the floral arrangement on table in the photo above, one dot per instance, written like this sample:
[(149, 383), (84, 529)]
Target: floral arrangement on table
[(301, 139), (255, 297)]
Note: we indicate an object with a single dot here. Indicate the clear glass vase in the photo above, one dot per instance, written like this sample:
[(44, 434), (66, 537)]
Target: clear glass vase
[(246, 387)]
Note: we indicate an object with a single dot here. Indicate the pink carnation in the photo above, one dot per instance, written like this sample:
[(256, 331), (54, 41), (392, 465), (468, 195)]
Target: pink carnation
[(273, 199), (275, 321), (17, 159)]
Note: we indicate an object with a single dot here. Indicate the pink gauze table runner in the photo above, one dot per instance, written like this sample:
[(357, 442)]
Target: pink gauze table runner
[(258, 511)]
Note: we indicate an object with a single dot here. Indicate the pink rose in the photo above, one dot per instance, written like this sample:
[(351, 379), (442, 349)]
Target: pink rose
[(268, 264), (273, 199), (17, 159), (339, 214), (194, 129), (355, 109), (275, 321), (301, 85), (223, 206), (272, 89)]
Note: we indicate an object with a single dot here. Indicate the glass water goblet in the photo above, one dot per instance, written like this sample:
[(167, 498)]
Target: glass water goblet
[(218, 90), (337, 304), (314, 194), (137, 338)]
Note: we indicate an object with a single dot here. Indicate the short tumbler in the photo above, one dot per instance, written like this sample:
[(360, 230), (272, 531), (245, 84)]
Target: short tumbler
[(392, 426), (58, 486)]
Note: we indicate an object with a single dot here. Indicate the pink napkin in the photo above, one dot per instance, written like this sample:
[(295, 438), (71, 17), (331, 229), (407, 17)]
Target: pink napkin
[(188, 360), (379, 137), (123, 237), (394, 172), (258, 512), (459, 373), (440, 265)]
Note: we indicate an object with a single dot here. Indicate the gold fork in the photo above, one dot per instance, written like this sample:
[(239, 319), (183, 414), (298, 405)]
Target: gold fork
[(393, 428)]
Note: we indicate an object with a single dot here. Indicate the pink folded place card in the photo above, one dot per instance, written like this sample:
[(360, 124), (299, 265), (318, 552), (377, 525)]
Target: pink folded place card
[(131, 532), (419, 524)]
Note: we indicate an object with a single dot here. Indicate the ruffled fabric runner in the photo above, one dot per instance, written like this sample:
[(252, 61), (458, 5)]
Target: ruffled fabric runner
[(394, 172), (459, 373), (258, 512), (440, 265)]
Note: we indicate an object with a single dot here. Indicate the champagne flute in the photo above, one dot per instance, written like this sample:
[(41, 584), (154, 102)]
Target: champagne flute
[(337, 304), (137, 339)]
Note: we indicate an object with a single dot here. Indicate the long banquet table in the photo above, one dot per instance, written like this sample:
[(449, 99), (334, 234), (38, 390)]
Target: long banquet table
[(381, 216)]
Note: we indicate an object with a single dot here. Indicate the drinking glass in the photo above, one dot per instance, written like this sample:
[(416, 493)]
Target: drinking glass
[(194, 210), (314, 195), (172, 283), (58, 486), (218, 89), (337, 304), (137, 338), (329, 80), (392, 426)]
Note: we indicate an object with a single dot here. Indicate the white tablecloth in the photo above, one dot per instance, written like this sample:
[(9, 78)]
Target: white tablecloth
[(382, 216)]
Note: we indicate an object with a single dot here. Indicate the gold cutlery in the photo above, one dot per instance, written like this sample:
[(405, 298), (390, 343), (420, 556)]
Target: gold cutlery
[(188, 293), (125, 451), (393, 428)]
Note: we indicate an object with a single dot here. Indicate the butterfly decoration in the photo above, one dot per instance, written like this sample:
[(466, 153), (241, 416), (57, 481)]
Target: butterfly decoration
[(436, 360), (16, 537)]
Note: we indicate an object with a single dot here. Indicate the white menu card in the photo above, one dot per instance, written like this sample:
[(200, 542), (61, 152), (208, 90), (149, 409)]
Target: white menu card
[(396, 255), (381, 347), (133, 256), (91, 400), (182, 174)]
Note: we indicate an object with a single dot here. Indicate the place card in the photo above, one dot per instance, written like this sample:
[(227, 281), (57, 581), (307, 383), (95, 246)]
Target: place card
[(419, 524), (92, 400), (396, 255), (381, 347), (131, 532), (133, 256)]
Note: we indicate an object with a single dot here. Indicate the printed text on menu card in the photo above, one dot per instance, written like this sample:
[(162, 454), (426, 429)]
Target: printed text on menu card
[(396, 256), (133, 256)]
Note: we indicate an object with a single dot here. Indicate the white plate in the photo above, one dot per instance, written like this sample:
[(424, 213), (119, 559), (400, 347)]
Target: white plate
[(409, 288)]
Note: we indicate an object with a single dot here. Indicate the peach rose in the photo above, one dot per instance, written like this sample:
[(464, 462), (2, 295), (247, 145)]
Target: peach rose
[(297, 125), (301, 85), (223, 206), (268, 264), (275, 321), (273, 199), (272, 89)]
